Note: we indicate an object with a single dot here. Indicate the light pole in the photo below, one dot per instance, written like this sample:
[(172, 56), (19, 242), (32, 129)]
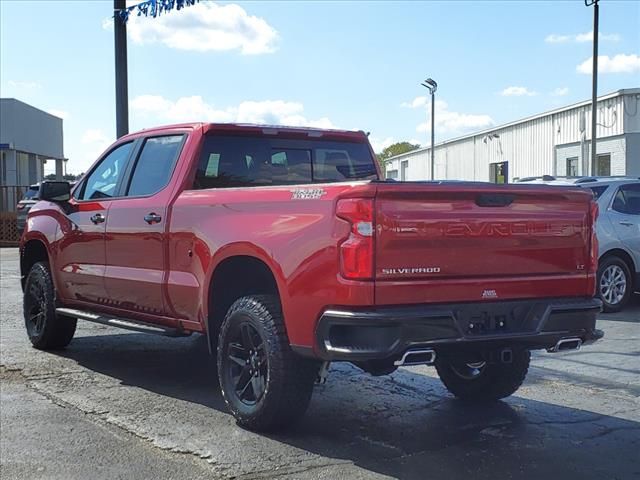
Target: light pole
[(120, 48), (121, 14), (594, 85), (431, 85)]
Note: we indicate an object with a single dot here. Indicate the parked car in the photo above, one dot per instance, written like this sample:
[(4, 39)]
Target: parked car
[(29, 199), (618, 231), (285, 248), (24, 205)]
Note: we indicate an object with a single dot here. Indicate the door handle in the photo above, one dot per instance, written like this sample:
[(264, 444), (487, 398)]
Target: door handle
[(626, 224), (152, 218), (97, 218)]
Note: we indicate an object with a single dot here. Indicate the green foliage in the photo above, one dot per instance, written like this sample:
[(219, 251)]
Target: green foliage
[(395, 149), (70, 177)]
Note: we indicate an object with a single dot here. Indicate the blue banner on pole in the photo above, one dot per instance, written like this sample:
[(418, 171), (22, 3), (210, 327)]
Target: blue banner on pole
[(153, 8)]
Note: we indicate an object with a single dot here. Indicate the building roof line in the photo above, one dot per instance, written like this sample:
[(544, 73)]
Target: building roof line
[(617, 93)]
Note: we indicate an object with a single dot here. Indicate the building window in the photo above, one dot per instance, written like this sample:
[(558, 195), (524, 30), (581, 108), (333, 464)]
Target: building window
[(499, 172), (404, 165), (393, 174), (602, 168), (572, 167)]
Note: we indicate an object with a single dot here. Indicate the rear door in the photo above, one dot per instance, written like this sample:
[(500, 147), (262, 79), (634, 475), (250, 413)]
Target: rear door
[(625, 216), (470, 242), (81, 255), (135, 231)]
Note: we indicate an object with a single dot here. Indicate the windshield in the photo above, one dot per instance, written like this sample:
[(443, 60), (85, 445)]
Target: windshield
[(230, 161), (31, 193)]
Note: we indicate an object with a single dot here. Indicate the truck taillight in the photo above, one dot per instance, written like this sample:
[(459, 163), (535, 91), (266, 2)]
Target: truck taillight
[(357, 251)]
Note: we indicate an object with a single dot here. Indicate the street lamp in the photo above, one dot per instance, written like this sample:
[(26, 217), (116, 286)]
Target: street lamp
[(432, 86), (594, 84)]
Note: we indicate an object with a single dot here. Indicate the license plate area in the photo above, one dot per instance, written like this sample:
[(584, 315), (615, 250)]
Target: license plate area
[(486, 323), (499, 318)]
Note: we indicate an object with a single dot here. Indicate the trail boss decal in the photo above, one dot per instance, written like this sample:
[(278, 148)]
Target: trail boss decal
[(307, 193)]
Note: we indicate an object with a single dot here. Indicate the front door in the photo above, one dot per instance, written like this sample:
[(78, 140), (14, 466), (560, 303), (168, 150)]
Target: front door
[(81, 253), (136, 244), (625, 216)]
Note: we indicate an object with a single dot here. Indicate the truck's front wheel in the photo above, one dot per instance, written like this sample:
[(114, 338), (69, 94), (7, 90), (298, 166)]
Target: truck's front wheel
[(482, 381), (45, 328), (264, 383)]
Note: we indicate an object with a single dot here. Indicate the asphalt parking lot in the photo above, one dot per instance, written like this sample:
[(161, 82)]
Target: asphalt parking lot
[(125, 405)]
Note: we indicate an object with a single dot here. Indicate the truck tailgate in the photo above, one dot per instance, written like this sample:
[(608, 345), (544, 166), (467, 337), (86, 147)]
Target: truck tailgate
[(465, 242)]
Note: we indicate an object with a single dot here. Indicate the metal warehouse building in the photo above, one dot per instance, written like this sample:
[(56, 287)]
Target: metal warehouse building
[(551, 143)]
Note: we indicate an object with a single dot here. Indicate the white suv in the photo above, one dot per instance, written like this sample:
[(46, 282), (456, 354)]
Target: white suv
[(618, 231)]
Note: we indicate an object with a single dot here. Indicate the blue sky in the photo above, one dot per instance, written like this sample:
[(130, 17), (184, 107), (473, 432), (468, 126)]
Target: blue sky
[(354, 65)]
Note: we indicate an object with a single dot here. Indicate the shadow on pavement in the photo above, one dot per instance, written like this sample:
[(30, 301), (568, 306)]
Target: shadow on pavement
[(404, 425), (631, 313)]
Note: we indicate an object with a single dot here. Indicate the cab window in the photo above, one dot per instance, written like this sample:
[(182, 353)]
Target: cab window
[(103, 181)]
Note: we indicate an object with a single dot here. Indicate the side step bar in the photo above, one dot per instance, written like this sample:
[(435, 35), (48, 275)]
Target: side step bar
[(127, 324)]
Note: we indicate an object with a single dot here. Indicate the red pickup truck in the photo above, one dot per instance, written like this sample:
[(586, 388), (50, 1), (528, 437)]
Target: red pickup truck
[(286, 249)]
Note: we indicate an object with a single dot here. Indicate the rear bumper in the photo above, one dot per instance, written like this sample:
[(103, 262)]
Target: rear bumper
[(387, 332)]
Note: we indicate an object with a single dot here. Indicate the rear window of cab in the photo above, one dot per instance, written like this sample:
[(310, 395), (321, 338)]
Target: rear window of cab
[(239, 161)]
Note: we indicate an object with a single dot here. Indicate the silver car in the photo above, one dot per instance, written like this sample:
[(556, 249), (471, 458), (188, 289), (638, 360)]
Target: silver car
[(29, 199), (618, 231)]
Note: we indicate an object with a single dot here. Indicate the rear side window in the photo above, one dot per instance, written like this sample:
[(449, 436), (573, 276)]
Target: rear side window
[(627, 199), (260, 161), (154, 165), (598, 191)]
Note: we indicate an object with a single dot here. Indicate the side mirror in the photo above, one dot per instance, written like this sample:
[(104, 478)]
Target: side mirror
[(55, 191)]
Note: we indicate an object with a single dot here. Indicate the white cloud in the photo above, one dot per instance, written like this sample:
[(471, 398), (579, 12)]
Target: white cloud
[(415, 103), (379, 144), (560, 92), (620, 63), (93, 143), (582, 37), (59, 113), (28, 85), (517, 92), (603, 37), (94, 135), (454, 122), (157, 109), (204, 27), (555, 38)]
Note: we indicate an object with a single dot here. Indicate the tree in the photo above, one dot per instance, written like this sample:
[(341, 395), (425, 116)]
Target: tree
[(395, 149)]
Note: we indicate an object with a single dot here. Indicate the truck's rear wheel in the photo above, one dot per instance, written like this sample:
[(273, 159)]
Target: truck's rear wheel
[(264, 383), (482, 381), (45, 329)]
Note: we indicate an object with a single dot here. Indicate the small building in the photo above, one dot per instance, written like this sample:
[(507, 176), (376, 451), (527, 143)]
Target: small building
[(29, 137), (556, 143)]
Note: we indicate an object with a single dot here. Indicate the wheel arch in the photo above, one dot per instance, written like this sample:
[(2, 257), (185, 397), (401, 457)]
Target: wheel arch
[(31, 251), (238, 273), (623, 255)]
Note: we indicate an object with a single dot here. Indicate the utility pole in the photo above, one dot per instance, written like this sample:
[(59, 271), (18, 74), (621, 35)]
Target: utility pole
[(594, 85), (122, 90), (432, 86)]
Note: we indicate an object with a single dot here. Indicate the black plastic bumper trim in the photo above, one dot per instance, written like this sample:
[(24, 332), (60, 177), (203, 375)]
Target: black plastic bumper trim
[(387, 332)]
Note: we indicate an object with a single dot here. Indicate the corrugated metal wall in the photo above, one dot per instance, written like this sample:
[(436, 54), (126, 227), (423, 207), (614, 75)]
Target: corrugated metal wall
[(530, 146)]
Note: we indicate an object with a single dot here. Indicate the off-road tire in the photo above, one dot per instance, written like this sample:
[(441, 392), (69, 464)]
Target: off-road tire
[(495, 381), (602, 267), (289, 377), (48, 331)]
